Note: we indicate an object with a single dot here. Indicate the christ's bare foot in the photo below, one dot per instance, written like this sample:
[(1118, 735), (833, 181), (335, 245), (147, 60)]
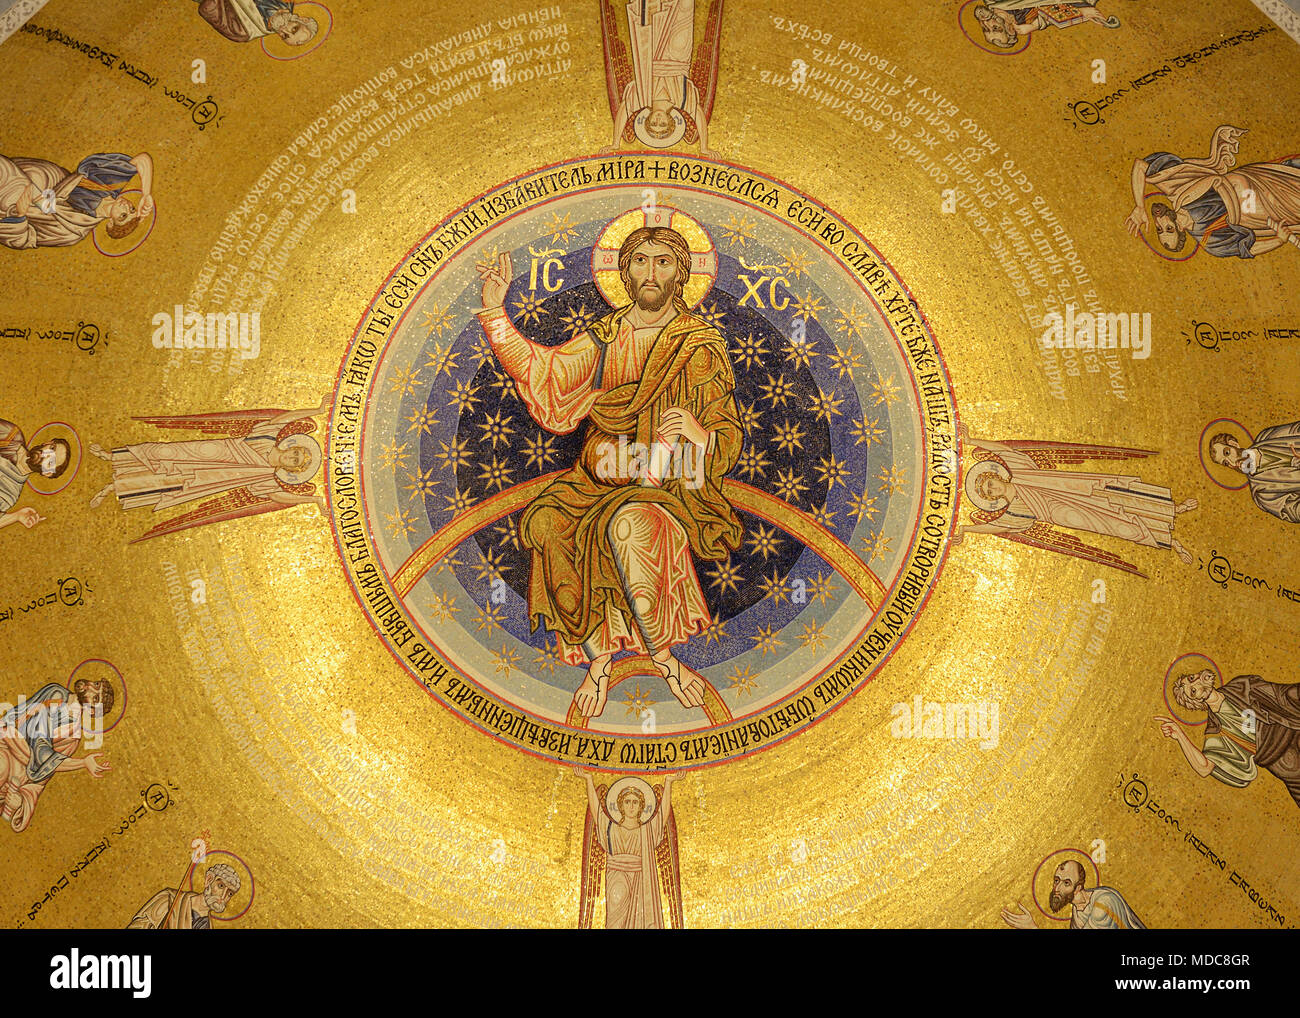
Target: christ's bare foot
[(594, 691), (94, 502), (1182, 552), (684, 683)]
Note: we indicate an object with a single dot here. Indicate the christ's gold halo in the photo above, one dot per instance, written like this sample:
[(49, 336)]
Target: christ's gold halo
[(641, 785), (604, 254)]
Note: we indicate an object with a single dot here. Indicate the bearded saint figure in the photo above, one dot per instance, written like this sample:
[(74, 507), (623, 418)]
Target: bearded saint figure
[(18, 462), (612, 538), (174, 909), (1234, 211)]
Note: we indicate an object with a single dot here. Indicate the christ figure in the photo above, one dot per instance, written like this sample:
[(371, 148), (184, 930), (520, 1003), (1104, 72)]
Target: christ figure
[(612, 538)]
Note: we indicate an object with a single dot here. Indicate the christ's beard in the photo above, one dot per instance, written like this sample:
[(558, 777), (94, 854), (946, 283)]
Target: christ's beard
[(648, 303), (1056, 902)]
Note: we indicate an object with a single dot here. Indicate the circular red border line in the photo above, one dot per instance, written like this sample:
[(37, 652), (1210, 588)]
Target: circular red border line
[(943, 367)]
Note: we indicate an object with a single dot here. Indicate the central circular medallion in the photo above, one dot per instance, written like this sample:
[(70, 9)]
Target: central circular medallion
[(642, 462)]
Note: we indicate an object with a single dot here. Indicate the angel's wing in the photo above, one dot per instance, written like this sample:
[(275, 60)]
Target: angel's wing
[(231, 505), (593, 866), (704, 66), (618, 64), (233, 423), (1050, 455), (670, 874), (1049, 538)]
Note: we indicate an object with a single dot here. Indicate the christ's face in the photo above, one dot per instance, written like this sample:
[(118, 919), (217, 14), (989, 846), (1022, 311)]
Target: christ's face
[(653, 272), (217, 894), (1065, 887), (1227, 454)]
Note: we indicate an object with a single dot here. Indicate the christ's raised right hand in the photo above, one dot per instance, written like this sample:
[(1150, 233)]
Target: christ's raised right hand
[(496, 281)]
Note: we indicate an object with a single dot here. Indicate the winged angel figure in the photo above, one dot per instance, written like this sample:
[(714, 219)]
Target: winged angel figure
[(663, 92), (1020, 494), (630, 837), (246, 462)]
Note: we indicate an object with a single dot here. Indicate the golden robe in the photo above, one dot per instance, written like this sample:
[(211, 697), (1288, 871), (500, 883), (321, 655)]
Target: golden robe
[(644, 596)]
